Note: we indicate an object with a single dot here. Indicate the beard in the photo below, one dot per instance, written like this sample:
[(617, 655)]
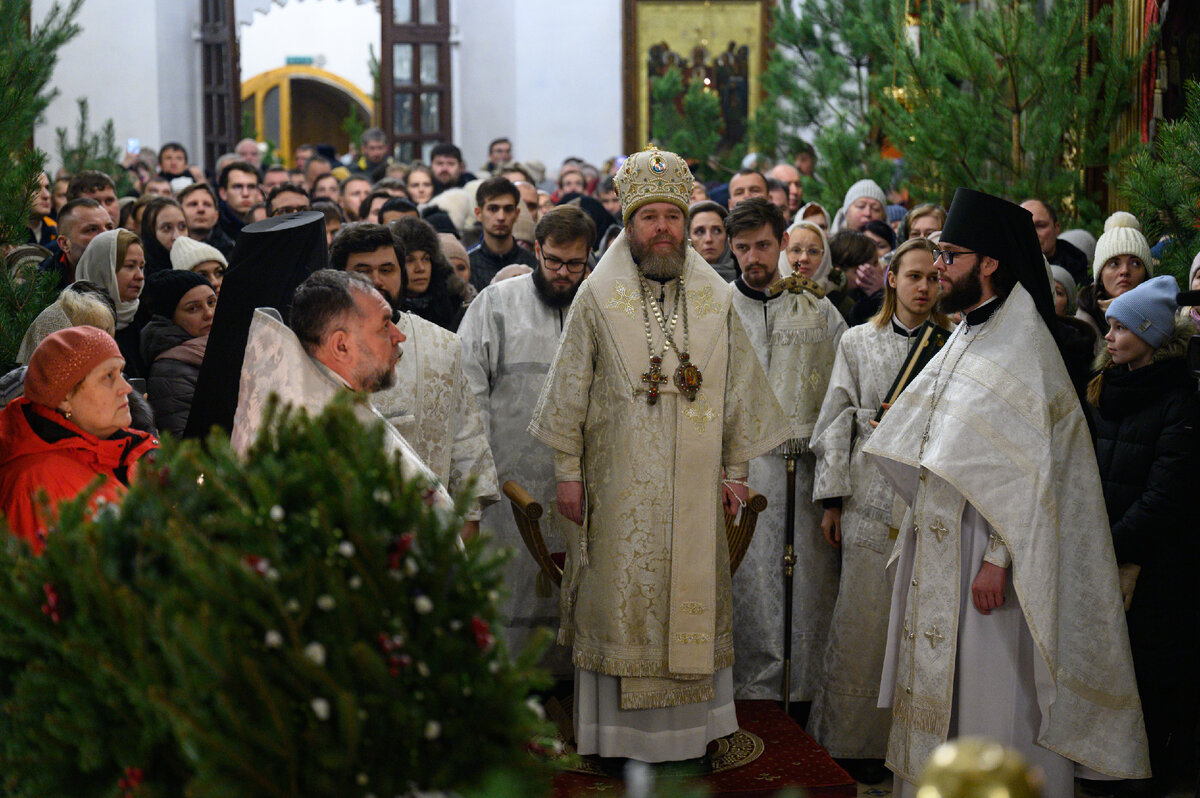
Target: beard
[(377, 378), (964, 293), (556, 298), (666, 266)]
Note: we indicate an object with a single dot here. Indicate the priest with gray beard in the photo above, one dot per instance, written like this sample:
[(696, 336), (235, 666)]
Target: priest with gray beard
[(654, 405)]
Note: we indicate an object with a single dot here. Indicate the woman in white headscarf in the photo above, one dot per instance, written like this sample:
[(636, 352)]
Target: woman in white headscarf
[(809, 212), (807, 252), (116, 261)]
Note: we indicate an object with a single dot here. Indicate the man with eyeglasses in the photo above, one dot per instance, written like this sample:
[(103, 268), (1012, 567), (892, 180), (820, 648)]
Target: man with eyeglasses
[(1006, 616), (510, 333), (795, 335), (497, 204), (287, 198), (237, 187)]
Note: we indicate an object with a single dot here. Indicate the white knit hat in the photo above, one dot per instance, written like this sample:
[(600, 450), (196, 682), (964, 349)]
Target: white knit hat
[(1122, 236), (863, 188), (188, 253)]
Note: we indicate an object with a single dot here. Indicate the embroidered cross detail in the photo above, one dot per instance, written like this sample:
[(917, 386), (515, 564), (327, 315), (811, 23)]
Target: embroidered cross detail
[(654, 378), (934, 636), (623, 300), (993, 541), (939, 530), (702, 301), (814, 378), (699, 413)]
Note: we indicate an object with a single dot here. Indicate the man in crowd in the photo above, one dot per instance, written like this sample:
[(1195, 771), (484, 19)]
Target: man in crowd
[(351, 192), (247, 151), (646, 589), (238, 188), (287, 198), (806, 159), (1007, 619), (1058, 251), (313, 170), (496, 202), (430, 403), (790, 177), (795, 335), (200, 212), (529, 197), (858, 516), (449, 171), (374, 156), (341, 338), (98, 186), (499, 153), (777, 193), (607, 194), (275, 175), (79, 221), (571, 181), (745, 184), (510, 333)]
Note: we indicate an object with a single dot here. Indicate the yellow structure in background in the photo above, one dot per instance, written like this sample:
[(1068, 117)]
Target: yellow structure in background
[(273, 97)]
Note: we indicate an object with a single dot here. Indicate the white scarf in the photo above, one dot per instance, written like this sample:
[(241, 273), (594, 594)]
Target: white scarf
[(99, 265)]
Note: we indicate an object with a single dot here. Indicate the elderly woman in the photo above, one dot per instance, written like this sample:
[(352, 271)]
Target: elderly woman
[(116, 261), (71, 427), (173, 343), (1122, 262), (864, 201)]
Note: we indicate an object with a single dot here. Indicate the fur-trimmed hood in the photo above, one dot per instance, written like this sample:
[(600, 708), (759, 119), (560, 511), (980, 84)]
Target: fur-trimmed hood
[(1175, 348)]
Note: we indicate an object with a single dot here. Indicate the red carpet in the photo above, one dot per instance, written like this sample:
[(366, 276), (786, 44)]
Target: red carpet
[(791, 759)]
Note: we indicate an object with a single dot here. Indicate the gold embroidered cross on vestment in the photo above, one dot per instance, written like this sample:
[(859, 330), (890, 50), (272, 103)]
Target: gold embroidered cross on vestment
[(939, 530), (934, 636)]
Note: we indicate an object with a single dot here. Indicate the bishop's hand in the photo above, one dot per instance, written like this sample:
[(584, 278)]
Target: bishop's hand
[(569, 500), (988, 588), (831, 525)]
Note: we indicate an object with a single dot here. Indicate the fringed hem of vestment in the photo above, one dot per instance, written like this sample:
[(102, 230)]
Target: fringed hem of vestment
[(697, 693), (931, 720), (610, 666)]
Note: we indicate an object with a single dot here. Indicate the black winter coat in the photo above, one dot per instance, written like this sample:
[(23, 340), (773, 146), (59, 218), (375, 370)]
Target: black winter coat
[(1147, 435), (174, 358)]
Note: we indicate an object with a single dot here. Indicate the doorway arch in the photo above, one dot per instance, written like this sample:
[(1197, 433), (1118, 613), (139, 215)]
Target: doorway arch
[(301, 104)]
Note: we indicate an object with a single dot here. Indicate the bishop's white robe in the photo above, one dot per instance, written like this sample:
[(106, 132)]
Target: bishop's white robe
[(846, 718), (509, 338), (276, 364), (1007, 458), (432, 407), (646, 592), (795, 337)]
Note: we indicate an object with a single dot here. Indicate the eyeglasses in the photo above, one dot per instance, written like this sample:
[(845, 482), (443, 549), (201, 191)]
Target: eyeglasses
[(812, 252), (556, 264), (948, 256)]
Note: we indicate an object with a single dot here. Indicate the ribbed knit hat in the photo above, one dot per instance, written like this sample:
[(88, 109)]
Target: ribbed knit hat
[(1148, 310), (62, 361), (165, 289), (863, 188), (188, 253), (1122, 236)]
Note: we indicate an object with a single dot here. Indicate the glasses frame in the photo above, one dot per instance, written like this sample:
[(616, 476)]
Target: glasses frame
[(572, 266), (947, 256)]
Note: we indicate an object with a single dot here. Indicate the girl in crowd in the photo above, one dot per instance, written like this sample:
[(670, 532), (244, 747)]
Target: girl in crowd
[(115, 260), (173, 342), (1145, 414), (71, 426), (419, 184), (190, 255), (814, 213), (1122, 262), (162, 225)]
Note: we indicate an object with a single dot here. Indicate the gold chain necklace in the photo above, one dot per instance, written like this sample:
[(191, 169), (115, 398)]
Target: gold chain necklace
[(687, 377)]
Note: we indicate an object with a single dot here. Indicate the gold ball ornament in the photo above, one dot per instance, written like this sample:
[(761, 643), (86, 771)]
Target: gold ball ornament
[(976, 767)]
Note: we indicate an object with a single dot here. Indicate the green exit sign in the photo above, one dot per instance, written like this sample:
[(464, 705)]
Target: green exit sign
[(299, 60)]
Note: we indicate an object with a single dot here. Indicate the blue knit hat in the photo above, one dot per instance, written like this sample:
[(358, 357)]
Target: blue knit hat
[(1148, 310)]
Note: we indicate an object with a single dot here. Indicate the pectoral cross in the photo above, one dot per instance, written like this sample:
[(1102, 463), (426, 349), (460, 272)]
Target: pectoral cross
[(654, 378)]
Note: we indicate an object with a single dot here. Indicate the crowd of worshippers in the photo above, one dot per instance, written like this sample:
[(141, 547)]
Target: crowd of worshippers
[(478, 272)]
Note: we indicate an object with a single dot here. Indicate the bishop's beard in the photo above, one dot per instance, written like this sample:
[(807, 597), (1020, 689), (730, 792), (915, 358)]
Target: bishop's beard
[(665, 266)]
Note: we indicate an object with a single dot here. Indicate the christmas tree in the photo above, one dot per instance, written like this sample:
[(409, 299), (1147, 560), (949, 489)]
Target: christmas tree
[(22, 298), (1008, 98), (27, 56), (298, 623), (1162, 185), (818, 78), (684, 119), (96, 150)]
